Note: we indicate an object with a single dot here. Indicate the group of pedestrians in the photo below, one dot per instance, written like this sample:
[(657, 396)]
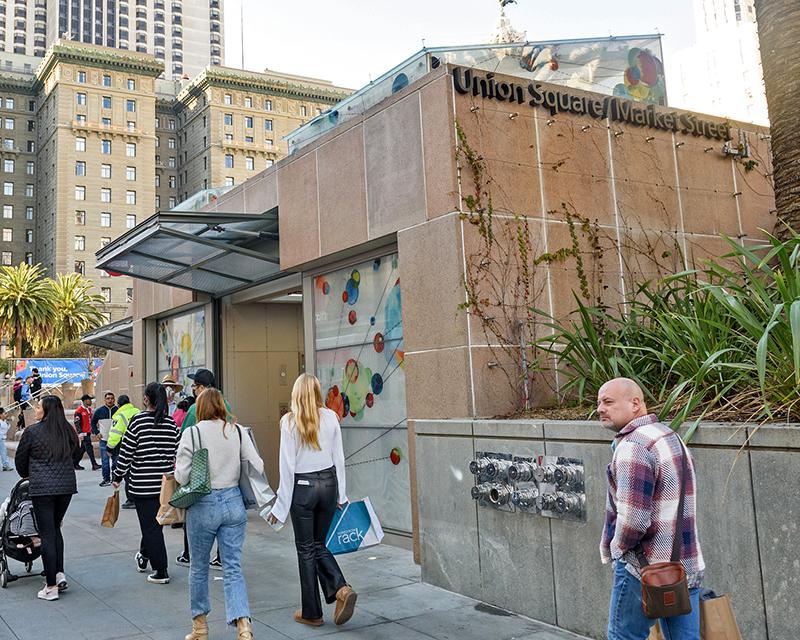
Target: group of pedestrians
[(145, 445)]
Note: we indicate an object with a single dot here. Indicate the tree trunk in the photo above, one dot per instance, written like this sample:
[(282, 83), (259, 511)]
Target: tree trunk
[(17, 338), (779, 35)]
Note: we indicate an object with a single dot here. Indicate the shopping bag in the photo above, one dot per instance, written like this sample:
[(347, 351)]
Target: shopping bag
[(111, 512), (655, 632), (354, 527), (167, 514), (254, 486), (717, 621)]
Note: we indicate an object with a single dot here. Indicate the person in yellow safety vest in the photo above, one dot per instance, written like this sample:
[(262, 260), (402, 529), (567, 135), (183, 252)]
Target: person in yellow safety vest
[(119, 426)]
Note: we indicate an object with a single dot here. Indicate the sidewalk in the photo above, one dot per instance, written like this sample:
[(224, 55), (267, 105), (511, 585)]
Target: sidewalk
[(107, 599)]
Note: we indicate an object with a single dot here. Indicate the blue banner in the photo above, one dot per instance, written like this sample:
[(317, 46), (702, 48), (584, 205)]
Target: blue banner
[(58, 370)]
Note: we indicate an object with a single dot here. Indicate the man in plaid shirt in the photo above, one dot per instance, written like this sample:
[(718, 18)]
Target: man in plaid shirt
[(641, 511)]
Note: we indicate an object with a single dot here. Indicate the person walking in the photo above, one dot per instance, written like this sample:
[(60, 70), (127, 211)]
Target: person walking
[(119, 425), (312, 487), (148, 452), (106, 412), (644, 479), (3, 433), (219, 515), (173, 389), (83, 425), (36, 383), (18, 390), (45, 456)]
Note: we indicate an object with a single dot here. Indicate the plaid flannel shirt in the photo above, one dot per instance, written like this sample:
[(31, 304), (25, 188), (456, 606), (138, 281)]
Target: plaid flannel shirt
[(642, 499)]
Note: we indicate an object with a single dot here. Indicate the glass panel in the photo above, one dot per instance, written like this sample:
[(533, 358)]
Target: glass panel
[(205, 281), (182, 347), (358, 337), (142, 266), (242, 266), (177, 249)]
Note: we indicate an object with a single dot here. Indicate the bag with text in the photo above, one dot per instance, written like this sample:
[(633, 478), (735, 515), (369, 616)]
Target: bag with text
[(354, 527)]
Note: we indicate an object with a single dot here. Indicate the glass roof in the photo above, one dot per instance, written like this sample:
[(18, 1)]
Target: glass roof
[(116, 336), (214, 253)]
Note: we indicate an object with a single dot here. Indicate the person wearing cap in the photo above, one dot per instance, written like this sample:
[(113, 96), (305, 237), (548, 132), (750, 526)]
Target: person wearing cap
[(83, 427), (202, 379), (173, 388)]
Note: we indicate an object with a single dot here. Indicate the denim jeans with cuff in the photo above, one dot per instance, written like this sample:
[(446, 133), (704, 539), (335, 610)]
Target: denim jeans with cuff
[(626, 619), (219, 515)]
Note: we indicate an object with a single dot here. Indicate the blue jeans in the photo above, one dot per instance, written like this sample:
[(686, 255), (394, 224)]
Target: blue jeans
[(4, 455), (221, 515), (106, 461), (626, 619)]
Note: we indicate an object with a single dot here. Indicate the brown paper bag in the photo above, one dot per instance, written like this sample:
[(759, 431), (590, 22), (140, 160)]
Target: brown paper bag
[(167, 514), (655, 632), (111, 512), (717, 621)]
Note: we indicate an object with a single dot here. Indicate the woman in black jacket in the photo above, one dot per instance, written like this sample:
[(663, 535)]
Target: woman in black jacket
[(44, 456)]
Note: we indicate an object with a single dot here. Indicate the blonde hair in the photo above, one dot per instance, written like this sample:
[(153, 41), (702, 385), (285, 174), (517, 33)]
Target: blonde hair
[(306, 403), (211, 406)]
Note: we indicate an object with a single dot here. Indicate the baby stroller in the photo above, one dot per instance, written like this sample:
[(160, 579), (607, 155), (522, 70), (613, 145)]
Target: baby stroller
[(19, 538)]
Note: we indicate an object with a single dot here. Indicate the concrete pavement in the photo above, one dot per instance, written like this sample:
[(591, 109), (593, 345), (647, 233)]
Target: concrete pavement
[(107, 598)]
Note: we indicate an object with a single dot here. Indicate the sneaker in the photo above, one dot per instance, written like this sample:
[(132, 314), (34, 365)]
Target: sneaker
[(8, 468), (128, 505), (79, 467), (141, 562), (182, 560), (48, 593), (216, 564), (61, 581), (95, 467), (105, 483), (158, 577)]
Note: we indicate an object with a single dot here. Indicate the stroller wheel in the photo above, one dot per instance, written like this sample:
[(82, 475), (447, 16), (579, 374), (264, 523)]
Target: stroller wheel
[(28, 566)]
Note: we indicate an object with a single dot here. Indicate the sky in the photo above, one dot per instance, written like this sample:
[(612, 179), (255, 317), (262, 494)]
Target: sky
[(351, 42)]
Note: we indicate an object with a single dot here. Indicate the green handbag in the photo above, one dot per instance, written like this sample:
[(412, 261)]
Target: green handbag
[(199, 484)]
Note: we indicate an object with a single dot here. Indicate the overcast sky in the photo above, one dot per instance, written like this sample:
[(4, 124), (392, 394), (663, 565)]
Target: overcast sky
[(351, 41)]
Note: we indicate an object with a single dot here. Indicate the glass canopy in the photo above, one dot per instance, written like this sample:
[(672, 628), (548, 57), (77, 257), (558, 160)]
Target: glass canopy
[(116, 336), (214, 253)]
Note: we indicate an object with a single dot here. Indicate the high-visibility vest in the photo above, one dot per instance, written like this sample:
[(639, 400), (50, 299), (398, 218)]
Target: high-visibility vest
[(121, 419)]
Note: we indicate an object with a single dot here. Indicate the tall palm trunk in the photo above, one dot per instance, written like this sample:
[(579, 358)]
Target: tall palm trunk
[(779, 35), (17, 338)]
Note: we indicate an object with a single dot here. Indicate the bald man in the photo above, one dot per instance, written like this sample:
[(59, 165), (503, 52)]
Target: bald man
[(641, 511)]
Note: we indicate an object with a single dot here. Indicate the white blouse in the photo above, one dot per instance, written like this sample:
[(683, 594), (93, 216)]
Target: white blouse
[(298, 459)]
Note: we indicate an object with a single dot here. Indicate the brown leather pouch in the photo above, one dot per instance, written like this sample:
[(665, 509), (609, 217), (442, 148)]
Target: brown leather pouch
[(665, 591)]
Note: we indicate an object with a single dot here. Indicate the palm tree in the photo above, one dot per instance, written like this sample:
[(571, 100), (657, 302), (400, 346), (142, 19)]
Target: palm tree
[(778, 35), (27, 311), (77, 308)]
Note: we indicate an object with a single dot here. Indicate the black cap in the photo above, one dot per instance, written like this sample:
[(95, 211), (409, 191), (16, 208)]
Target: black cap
[(203, 377), (86, 396)]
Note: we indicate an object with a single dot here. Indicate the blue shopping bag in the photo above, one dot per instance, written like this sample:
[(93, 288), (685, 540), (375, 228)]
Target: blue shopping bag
[(354, 527)]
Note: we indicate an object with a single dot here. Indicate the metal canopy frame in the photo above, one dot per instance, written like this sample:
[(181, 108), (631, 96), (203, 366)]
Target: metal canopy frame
[(209, 252), (115, 336)]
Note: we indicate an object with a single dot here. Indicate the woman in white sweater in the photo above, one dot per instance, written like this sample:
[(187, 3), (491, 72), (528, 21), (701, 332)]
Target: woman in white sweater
[(312, 488), (220, 514)]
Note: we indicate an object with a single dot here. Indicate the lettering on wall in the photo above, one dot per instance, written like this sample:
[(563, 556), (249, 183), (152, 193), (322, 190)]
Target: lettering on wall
[(536, 94)]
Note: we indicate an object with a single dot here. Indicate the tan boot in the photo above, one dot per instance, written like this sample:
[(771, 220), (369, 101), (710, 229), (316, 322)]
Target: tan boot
[(245, 629), (345, 604), (199, 628)]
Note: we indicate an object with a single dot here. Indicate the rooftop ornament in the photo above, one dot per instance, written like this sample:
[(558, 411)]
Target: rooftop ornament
[(505, 33)]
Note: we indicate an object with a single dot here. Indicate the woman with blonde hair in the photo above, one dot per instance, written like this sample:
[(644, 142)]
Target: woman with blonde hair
[(312, 488), (220, 514)]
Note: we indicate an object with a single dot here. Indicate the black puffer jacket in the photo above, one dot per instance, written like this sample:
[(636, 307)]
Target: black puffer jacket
[(47, 477)]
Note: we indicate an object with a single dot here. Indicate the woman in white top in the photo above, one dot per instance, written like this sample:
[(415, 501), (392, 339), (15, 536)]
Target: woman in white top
[(312, 488), (220, 514)]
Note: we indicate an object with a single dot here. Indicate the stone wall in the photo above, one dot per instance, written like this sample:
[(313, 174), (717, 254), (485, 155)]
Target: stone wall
[(550, 570)]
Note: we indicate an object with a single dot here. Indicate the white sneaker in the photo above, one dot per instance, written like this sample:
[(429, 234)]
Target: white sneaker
[(61, 581), (48, 593)]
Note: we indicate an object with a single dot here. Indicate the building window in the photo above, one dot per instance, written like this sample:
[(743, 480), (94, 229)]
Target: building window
[(171, 162), (229, 181), (80, 193), (158, 142), (129, 295), (28, 190), (106, 102), (131, 125), (105, 194), (130, 197), (130, 220), (228, 137), (303, 110), (130, 173), (105, 147), (158, 203), (8, 144), (229, 161), (106, 293), (270, 162), (8, 166), (158, 180), (29, 258), (10, 123), (105, 170), (80, 168), (171, 143), (105, 219), (9, 103), (228, 119), (267, 125), (80, 267), (8, 188), (158, 123), (267, 105), (130, 106), (30, 167), (80, 118), (131, 84), (172, 123), (172, 182), (29, 213), (82, 77), (249, 163), (106, 81), (248, 122), (104, 241), (8, 211), (80, 243), (31, 105), (29, 236), (80, 144), (8, 235), (249, 139), (130, 149), (228, 99), (31, 146), (6, 258), (269, 142), (248, 102), (80, 98), (80, 218)]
